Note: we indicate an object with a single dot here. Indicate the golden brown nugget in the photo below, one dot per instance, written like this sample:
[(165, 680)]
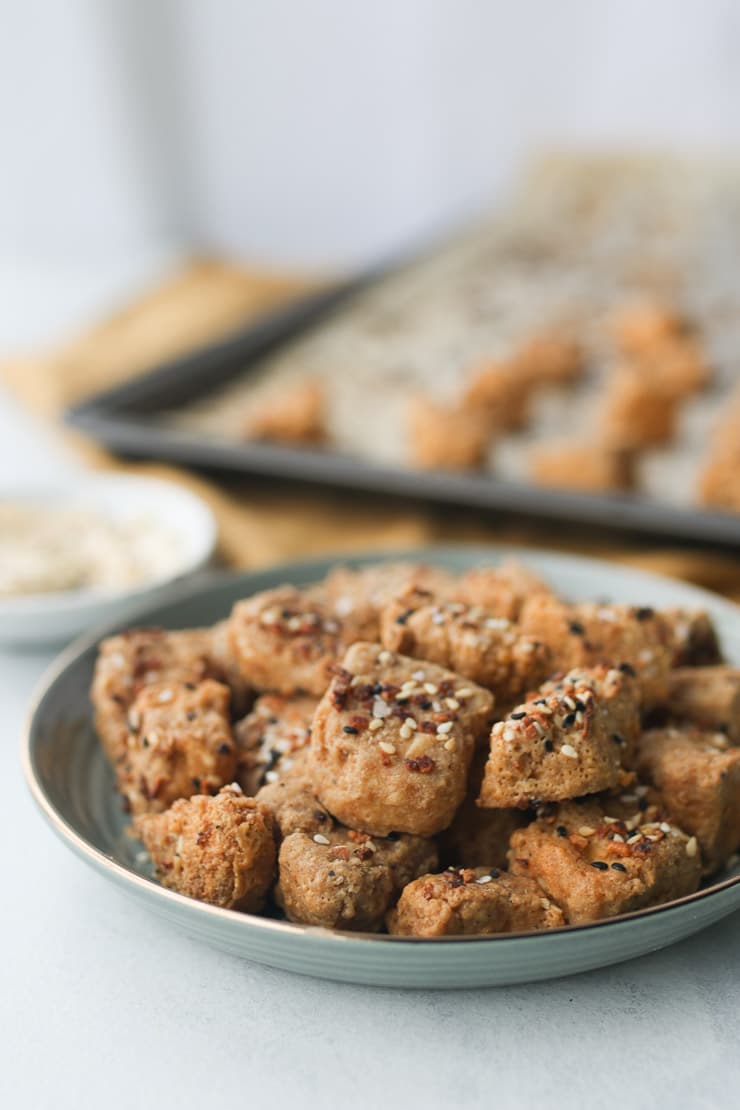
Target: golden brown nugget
[(567, 741), (216, 849), (638, 412), (676, 367), (500, 590), (708, 697), (286, 640), (552, 358), (293, 802), (226, 669), (591, 467), (698, 777), (693, 636), (180, 743), (468, 901), (392, 742), (500, 391), (362, 593), (638, 329), (617, 692), (588, 634), (466, 639), (446, 437), (478, 837), (347, 880), (595, 865), (269, 738), (295, 415), (130, 661), (719, 481)]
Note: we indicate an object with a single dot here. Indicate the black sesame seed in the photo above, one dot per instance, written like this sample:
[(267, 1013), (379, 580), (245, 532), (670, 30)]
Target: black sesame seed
[(393, 836), (548, 745), (494, 873), (600, 865), (619, 867), (518, 716), (189, 685), (190, 716), (145, 741), (644, 613), (350, 730), (627, 668), (569, 720), (196, 783), (331, 874), (576, 628), (561, 830), (617, 738), (540, 701), (425, 704), (224, 749), (403, 617), (580, 706), (642, 804)]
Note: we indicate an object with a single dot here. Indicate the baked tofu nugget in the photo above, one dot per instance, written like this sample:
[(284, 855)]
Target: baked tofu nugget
[(565, 742), (587, 634), (297, 414), (478, 837), (500, 590), (287, 639), (217, 849), (225, 668), (392, 742), (638, 411), (134, 659), (552, 358), (293, 801), (595, 865), (500, 391), (592, 467), (698, 777), (708, 697), (180, 743), (269, 737), (466, 639), (345, 879), (466, 901), (361, 593), (446, 437)]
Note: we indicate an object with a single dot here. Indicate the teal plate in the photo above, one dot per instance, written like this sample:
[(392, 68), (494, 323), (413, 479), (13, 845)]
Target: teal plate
[(73, 786)]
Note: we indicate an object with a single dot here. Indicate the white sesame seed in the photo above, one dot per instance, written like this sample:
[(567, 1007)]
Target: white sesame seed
[(356, 680), (405, 732), (628, 798), (375, 724), (117, 659), (385, 657), (484, 879), (438, 618), (134, 719), (451, 744), (568, 701), (418, 675), (452, 703), (165, 695), (634, 838), (586, 830), (271, 776), (545, 903), (463, 692), (619, 839), (437, 706), (387, 747), (665, 827), (641, 791), (381, 708), (270, 616), (508, 735), (410, 723), (445, 727), (178, 846), (319, 838), (236, 788), (692, 847), (569, 751), (431, 688)]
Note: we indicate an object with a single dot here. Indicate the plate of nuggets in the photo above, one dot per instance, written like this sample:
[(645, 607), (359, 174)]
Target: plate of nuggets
[(456, 767)]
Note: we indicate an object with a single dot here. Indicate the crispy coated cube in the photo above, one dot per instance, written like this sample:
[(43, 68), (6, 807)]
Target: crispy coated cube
[(676, 367), (719, 481), (595, 864), (552, 358), (640, 328), (345, 879), (698, 777), (446, 437), (638, 411), (217, 849), (293, 801), (591, 467), (132, 660), (708, 697), (392, 742), (587, 634), (478, 837), (269, 737), (500, 590), (466, 639), (566, 742), (180, 743), (501, 392), (297, 414), (468, 901), (361, 593), (286, 640)]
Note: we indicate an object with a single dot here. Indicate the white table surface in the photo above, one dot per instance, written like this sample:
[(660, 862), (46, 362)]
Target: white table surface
[(104, 1006)]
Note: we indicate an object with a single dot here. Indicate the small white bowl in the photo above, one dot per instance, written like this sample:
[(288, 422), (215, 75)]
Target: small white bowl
[(49, 618)]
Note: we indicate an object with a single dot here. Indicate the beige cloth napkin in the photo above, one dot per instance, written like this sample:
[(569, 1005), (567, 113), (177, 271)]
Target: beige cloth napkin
[(263, 523)]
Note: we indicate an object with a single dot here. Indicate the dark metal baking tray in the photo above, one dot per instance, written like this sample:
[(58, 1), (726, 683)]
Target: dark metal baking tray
[(125, 419)]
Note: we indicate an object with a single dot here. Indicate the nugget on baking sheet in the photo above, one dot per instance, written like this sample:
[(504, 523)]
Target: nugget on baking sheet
[(392, 742), (697, 775), (586, 634), (297, 414), (706, 696), (446, 437), (466, 639), (134, 659), (591, 467), (286, 640), (217, 849), (595, 863), (361, 593), (551, 358), (500, 590), (269, 737), (637, 412), (676, 367), (345, 879), (293, 802), (180, 743), (478, 837), (566, 741), (468, 901), (719, 480), (640, 328), (500, 391)]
